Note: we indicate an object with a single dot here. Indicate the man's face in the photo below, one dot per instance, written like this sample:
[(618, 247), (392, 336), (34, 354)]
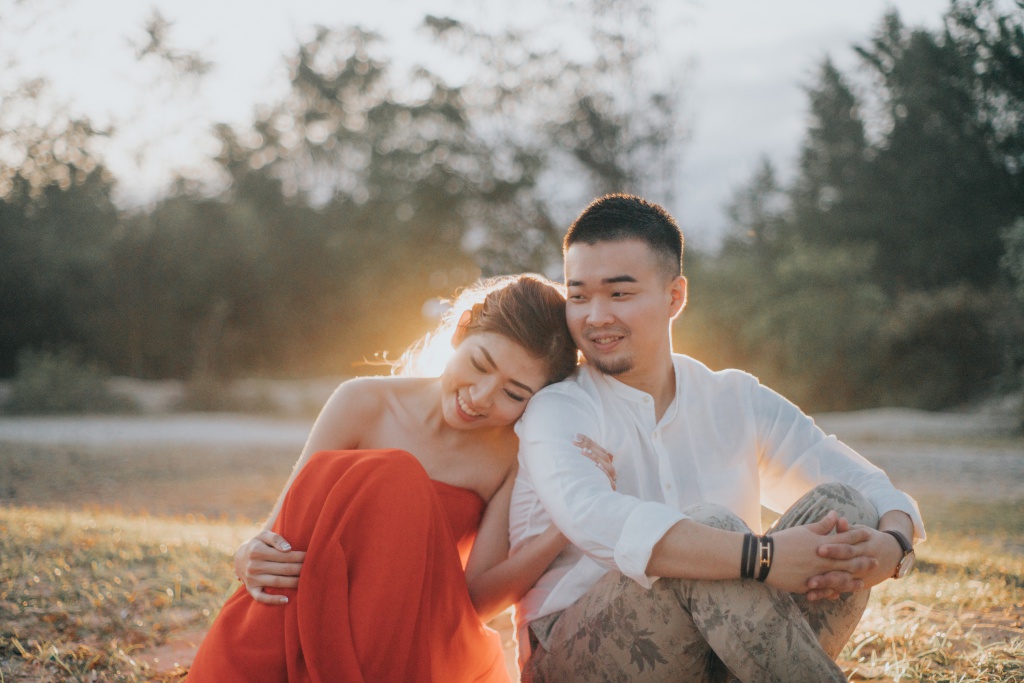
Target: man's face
[(620, 302)]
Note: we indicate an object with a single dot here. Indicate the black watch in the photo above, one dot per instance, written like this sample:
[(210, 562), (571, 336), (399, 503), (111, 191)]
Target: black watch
[(907, 561)]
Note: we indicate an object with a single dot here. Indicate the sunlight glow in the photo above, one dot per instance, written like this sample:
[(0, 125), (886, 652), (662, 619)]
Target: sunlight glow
[(429, 356)]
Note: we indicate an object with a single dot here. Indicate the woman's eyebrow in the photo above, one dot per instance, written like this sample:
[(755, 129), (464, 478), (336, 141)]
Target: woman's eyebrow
[(495, 366)]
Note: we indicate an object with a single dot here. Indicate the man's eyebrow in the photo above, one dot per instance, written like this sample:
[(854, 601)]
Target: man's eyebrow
[(495, 366), (606, 281)]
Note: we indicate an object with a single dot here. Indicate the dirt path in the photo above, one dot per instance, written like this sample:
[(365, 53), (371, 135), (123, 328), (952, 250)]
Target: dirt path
[(196, 428), (947, 455)]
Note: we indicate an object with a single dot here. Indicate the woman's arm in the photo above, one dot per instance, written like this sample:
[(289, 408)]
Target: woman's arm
[(266, 560), (496, 580)]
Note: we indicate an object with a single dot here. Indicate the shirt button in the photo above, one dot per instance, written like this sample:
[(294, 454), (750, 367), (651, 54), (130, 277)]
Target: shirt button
[(647, 399), (668, 487)]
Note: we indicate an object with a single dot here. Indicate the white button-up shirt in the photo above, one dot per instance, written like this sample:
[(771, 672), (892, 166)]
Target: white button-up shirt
[(724, 439)]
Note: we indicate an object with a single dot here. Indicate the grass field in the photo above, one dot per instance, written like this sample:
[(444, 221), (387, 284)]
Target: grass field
[(114, 560)]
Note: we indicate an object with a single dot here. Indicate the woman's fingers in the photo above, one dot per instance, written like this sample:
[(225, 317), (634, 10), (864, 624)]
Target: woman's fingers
[(272, 581), (269, 554), (601, 457), (266, 598), (259, 567), (274, 540)]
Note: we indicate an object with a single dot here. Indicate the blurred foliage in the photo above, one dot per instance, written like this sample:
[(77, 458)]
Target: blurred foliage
[(878, 276), (882, 273), (1013, 263), (344, 209), (61, 382), (1013, 259)]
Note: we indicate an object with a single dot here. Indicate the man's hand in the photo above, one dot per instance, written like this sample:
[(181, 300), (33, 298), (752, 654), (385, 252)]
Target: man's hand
[(267, 561), (880, 546), (799, 558)]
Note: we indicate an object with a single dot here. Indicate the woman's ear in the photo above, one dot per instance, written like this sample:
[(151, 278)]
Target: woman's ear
[(461, 329)]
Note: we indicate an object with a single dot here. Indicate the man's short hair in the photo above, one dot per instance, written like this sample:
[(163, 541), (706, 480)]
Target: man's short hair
[(617, 217)]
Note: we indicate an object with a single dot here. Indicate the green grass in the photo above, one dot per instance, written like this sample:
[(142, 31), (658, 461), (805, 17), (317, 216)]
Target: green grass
[(87, 590)]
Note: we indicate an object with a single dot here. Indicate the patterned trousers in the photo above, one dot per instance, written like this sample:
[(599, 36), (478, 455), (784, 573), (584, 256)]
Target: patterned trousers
[(692, 631)]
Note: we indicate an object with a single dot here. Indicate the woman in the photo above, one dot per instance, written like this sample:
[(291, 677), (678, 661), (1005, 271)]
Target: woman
[(397, 476)]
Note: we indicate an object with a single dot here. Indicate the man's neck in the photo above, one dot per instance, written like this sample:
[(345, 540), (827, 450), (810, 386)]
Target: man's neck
[(657, 378)]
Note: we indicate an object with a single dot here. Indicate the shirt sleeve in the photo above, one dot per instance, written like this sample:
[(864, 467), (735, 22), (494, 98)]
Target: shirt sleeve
[(796, 455), (618, 531)]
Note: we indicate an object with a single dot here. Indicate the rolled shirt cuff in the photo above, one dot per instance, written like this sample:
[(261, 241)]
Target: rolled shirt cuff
[(644, 527), (886, 501)]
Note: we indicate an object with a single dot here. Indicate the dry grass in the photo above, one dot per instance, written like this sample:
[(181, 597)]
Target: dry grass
[(958, 617), (83, 593), (90, 593)]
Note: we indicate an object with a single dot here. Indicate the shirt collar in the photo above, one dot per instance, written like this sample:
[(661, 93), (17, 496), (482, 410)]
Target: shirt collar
[(639, 397)]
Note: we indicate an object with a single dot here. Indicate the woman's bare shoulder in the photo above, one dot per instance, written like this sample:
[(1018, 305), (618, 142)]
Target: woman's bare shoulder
[(375, 392)]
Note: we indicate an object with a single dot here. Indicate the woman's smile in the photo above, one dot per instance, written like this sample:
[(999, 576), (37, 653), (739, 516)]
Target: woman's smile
[(465, 409), (488, 381)]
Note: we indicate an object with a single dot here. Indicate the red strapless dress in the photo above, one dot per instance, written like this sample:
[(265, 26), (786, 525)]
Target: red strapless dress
[(382, 597)]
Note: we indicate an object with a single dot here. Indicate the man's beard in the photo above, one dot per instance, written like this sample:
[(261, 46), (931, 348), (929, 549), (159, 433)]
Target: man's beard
[(613, 366)]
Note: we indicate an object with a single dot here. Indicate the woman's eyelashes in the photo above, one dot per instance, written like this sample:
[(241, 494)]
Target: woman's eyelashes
[(480, 368)]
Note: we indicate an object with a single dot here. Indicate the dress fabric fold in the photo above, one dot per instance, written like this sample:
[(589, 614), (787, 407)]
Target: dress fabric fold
[(382, 597)]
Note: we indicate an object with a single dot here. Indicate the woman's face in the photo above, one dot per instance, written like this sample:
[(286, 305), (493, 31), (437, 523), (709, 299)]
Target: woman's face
[(488, 381)]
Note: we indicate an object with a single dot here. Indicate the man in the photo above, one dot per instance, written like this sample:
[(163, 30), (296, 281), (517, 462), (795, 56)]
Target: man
[(668, 577)]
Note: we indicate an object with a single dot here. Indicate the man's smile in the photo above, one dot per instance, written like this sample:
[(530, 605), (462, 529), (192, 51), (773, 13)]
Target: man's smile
[(605, 340)]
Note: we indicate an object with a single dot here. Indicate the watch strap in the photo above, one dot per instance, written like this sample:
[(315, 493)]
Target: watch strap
[(905, 545)]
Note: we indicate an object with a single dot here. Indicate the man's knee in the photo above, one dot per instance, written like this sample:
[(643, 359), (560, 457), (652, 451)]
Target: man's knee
[(717, 516), (848, 502)]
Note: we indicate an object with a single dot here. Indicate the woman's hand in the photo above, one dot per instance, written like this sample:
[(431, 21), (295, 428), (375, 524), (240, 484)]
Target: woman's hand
[(601, 457), (267, 561)]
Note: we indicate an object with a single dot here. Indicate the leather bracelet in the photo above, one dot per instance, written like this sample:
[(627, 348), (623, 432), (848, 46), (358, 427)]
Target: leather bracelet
[(748, 563), (766, 552), (745, 558)]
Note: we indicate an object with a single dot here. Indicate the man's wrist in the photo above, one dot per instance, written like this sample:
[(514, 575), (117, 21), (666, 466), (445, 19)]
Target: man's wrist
[(905, 561)]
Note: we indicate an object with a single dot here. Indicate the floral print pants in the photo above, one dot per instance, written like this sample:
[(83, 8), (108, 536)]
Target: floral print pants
[(693, 631)]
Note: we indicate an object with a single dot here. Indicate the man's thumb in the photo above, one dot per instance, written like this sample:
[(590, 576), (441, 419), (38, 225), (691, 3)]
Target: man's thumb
[(826, 524)]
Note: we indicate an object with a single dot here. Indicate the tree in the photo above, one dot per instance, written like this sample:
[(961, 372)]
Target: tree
[(602, 120), (57, 221), (993, 41), (941, 194), (757, 212), (830, 197), (874, 277)]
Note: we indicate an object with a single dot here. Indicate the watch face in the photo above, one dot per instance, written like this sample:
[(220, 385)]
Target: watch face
[(906, 564)]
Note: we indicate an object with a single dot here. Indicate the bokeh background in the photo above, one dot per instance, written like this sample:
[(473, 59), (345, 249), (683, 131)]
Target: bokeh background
[(851, 184)]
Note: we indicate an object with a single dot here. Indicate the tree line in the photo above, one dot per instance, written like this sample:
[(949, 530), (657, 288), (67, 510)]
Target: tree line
[(890, 270), (884, 272)]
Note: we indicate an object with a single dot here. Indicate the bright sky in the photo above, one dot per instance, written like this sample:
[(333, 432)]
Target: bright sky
[(747, 63)]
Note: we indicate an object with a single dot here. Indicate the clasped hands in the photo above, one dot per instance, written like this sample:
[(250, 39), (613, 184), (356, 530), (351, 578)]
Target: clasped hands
[(854, 557)]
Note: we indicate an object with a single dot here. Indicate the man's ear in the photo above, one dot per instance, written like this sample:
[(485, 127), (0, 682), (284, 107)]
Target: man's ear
[(461, 329), (677, 296)]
